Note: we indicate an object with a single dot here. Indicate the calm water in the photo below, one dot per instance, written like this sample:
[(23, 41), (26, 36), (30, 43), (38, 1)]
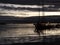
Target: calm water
[(20, 33)]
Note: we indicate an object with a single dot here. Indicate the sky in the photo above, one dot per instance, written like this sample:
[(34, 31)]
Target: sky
[(27, 10), (21, 1)]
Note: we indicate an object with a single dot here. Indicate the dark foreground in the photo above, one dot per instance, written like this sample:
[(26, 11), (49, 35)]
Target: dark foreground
[(37, 43), (45, 40), (34, 43)]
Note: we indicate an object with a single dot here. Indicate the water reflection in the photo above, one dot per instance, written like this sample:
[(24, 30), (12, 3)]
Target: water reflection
[(18, 30)]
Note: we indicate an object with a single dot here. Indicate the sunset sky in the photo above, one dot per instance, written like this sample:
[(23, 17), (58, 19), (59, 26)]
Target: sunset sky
[(26, 10)]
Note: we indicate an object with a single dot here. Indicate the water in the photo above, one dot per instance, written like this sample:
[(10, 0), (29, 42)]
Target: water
[(22, 33), (15, 33), (16, 30)]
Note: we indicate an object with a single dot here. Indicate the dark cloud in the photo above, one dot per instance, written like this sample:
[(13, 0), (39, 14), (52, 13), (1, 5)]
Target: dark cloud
[(37, 2)]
